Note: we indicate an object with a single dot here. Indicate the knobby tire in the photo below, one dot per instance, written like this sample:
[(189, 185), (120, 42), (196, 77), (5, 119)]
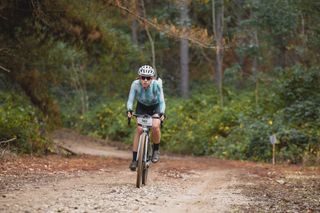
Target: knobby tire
[(145, 166), (140, 167)]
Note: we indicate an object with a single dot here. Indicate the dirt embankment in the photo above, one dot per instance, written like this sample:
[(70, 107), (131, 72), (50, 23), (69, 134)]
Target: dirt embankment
[(103, 183)]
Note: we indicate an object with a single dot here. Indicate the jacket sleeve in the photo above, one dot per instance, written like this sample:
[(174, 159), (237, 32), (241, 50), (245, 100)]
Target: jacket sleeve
[(131, 97), (161, 100)]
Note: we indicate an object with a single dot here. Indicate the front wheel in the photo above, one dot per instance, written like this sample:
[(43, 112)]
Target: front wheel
[(145, 175), (148, 151), (140, 168)]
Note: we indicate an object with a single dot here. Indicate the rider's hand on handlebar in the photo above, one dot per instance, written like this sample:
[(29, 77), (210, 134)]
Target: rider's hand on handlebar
[(129, 113), (162, 116)]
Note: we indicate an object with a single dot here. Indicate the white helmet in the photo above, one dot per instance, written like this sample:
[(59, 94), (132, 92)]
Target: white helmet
[(146, 70)]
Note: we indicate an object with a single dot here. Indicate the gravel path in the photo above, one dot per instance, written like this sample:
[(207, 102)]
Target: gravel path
[(113, 190), (84, 183)]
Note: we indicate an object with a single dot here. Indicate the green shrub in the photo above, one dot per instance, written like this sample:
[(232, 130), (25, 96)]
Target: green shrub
[(20, 120), (299, 93), (108, 121)]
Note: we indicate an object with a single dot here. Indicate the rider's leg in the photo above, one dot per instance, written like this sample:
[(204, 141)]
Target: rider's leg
[(156, 133), (136, 139), (133, 164), (156, 136)]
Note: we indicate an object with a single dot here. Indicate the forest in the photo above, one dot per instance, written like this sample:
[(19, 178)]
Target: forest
[(234, 73)]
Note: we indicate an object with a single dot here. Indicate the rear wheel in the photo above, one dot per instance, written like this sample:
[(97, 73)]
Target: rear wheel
[(140, 167)]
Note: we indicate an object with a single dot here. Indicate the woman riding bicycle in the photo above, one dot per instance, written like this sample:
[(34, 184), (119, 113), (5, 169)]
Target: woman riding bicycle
[(150, 100)]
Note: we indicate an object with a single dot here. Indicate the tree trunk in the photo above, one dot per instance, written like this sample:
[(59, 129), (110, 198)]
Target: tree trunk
[(241, 56), (279, 56), (80, 86), (149, 37), (255, 70), (135, 23), (217, 16), (134, 31), (184, 49), (255, 62)]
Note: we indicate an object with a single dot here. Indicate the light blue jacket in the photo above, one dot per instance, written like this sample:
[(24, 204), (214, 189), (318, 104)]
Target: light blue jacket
[(150, 96)]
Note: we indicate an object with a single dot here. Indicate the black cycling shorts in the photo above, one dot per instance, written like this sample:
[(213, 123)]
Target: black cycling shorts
[(142, 109)]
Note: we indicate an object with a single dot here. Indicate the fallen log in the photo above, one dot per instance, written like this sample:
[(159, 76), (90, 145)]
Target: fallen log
[(65, 148)]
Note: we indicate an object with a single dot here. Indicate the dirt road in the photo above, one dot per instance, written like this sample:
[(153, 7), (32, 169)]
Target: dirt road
[(103, 183)]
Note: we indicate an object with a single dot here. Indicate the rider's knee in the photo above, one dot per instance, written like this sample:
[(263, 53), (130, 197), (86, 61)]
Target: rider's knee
[(156, 129), (139, 129)]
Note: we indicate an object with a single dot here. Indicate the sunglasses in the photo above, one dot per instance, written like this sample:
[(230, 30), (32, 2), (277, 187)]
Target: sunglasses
[(145, 78)]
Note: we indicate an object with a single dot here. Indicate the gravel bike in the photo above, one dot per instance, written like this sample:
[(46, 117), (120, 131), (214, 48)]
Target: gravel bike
[(144, 152)]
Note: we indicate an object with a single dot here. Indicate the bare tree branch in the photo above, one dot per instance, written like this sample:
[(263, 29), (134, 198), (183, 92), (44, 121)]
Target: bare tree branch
[(5, 69), (5, 18), (7, 141), (170, 30)]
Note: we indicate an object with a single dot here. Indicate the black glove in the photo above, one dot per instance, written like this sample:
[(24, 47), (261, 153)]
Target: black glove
[(162, 114), (129, 111), (129, 118)]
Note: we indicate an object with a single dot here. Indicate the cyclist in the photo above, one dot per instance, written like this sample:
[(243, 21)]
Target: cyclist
[(150, 100)]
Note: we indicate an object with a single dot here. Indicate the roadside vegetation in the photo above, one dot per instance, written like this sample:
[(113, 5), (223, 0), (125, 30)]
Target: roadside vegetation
[(70, 64), (239, 130)]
